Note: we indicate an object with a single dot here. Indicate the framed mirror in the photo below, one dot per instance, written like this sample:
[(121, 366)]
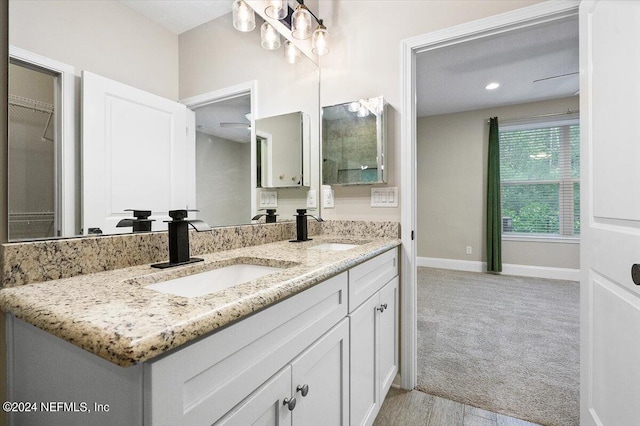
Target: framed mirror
[(354, 143), (125, 42), (282, 144)]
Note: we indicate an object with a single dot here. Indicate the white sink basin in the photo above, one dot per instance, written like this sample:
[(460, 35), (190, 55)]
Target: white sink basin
[(333, 246), (206, 282)]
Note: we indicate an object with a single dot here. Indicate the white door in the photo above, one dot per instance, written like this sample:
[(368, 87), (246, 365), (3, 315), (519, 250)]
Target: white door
[(388, 340), (610, 221), (137, 153)]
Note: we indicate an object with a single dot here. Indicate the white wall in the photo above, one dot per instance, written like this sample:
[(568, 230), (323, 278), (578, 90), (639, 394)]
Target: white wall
[(452, 176), (365, 61), (104, 37), (223, 177)]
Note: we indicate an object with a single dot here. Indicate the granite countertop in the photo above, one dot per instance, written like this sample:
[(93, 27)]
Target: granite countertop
[(114, 316)]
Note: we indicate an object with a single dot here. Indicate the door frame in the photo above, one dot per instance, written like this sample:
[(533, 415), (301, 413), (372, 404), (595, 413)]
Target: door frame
[(520, 18), (66, 194), (247, 88)]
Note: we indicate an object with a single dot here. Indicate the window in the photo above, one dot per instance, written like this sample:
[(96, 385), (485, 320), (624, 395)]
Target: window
[(540, 178)]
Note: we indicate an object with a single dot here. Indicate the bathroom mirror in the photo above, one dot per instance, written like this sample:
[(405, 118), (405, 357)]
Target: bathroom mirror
[(113, 39), (282, 142), (354, 142)]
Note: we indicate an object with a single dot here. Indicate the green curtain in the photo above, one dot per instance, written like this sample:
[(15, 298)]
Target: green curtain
[(494, 216)]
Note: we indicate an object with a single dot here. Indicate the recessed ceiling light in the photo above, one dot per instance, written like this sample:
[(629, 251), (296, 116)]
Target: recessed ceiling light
[(492, 86)]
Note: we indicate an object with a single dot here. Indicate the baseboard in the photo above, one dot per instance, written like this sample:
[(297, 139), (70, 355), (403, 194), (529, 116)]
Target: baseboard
[(507, 269)]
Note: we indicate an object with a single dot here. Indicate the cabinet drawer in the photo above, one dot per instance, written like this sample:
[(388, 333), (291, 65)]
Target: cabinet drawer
[(202, 382), (370, 276)]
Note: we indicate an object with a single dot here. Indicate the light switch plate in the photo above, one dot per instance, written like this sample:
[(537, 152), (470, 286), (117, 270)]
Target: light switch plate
[(384, 196), (268, 199), (312, 199), (327, 197)]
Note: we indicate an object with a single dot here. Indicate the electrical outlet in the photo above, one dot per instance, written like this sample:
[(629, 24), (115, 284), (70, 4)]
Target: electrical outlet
[(312, 199), (469, 250), (327, 197)]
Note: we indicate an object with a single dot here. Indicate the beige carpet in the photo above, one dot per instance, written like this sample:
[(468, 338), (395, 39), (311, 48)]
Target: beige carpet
[(501, 343)]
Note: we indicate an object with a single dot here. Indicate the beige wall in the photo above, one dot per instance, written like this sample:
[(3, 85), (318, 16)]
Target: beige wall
[(365, 62), (214, 56), (107, 38), (452, 175)]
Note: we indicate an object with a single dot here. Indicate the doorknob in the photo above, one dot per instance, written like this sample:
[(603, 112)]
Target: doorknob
[(304, 390), (635, 273)]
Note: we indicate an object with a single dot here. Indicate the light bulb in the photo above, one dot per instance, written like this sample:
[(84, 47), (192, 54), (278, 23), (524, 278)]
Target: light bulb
[(363, 111), (244, 18), (301, 23), (354, 106), (320, 40), (270, 39), (277, 9), (291, 52)]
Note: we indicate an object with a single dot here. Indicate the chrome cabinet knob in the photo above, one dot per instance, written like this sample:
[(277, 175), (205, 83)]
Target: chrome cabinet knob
[(304, 390), (290, 403), (635, 273)]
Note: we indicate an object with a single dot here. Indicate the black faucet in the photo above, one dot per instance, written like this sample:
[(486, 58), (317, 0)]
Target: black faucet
[(179, 239), (270, 216), (141, 223), (301, 225)]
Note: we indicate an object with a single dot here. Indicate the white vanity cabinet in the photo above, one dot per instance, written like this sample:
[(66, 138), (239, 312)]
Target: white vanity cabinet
[(312, 390), (335, 358), (374, 335)]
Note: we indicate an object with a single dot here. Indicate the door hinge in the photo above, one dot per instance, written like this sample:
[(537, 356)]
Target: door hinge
[(412, 235)]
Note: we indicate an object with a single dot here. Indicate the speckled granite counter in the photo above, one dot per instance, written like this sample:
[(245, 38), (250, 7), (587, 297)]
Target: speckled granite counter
[(114, 316)]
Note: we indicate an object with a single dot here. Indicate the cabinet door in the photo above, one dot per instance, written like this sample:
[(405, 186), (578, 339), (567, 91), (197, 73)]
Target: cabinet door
[(265, 406), (388, 338), (364, 372), (321, 380)]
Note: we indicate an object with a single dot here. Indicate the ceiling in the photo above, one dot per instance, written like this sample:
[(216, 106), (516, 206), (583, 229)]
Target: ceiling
[(179, 16), (453, 79), (226, 119)]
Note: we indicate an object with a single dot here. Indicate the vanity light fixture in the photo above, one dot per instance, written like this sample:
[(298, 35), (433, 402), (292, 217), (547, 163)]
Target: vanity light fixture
[(492, 86), (301, 22), (269, 37), (291, 52), (277, 9), (354, 106), (244, 18), (320, 40)]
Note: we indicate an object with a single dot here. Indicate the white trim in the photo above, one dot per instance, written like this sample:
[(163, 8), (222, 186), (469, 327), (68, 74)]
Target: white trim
[(520, 18), (66, 136), (524, 238), (241, 89), (507, 269)]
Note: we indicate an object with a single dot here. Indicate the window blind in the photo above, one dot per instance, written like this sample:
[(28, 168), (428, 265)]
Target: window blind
[(540, 177)]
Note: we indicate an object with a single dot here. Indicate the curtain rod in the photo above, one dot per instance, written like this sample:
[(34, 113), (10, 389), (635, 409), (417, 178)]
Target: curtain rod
[(553, 114)]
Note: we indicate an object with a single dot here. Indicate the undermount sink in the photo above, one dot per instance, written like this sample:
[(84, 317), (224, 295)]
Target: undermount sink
[(203, 283), (333, 247)]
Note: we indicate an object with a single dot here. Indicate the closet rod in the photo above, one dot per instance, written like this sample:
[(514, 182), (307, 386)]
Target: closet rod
[(553, 114)]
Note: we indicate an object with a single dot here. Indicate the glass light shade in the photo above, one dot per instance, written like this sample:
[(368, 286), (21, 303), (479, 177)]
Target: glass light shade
[(244, 18), (291, 52), (269, 37), (320, 40), (354, 106), (301, 23), (363, 111), (277, 9)]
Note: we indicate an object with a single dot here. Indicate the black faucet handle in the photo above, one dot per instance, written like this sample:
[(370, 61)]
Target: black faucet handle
[(301, 212), (139, 214), (180, 214)]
